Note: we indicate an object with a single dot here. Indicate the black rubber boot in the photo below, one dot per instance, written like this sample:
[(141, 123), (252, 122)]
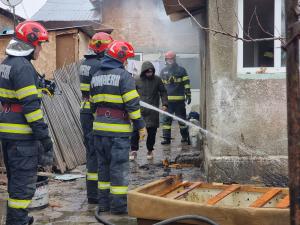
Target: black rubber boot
[(103, 209), (166, 141), (30, 220), (92, 201), (186, 140)]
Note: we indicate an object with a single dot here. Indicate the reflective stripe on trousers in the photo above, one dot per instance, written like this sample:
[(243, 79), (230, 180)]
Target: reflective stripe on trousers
[(103, 185), (21, 162), (177, 108), (92, 176), (18, 203), (119, 190), (86, 121), (113, 167)]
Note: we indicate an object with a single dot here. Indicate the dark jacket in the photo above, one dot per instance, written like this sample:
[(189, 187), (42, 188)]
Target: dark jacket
[(150, 90), (177, 82), (19, 84), (113, 89), (88, 67)]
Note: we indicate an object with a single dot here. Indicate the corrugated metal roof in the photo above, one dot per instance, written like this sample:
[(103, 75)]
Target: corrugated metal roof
[(68, 10)]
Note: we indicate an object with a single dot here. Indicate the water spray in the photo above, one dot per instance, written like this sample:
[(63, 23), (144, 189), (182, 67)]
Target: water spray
[(188, 123), (207, 133)]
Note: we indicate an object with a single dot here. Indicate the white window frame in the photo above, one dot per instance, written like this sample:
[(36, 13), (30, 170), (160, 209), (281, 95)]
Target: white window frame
[(141, 57), (277, 44)]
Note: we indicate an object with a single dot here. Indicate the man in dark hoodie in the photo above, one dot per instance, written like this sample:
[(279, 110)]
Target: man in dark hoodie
[(150, 88), (88, 67), (117, 107)]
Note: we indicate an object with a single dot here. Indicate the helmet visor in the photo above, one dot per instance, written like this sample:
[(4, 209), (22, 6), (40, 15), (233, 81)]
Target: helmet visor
[(18, 48)]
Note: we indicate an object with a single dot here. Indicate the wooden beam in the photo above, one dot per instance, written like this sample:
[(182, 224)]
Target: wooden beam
[(284, 203), (262, 200), (223, 194), (188, 189), (173, 188), (293, 108)]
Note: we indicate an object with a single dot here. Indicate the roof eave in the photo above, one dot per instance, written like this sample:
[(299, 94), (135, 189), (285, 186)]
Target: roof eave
[(177, 12)]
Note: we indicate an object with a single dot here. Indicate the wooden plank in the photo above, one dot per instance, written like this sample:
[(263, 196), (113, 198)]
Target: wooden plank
[(223, 194), (262, 200), (161, 185), (173, 188), (284, 203), (188, 189), (62, 115)]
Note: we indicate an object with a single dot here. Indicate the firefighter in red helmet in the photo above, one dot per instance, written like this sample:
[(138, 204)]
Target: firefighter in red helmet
[(178, 87), (117, 109), (88, 67), (22, 127)]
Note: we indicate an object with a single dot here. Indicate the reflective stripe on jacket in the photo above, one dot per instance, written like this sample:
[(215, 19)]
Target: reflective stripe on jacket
[(88, 67), (113, 87), (176, 81)]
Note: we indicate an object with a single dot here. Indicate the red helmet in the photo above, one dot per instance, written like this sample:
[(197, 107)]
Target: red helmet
[(170, 55), (120, 50), (99, 42), (31, 33)]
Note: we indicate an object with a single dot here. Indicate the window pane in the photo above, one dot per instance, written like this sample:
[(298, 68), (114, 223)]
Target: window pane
[(258, 25), (191, 64)]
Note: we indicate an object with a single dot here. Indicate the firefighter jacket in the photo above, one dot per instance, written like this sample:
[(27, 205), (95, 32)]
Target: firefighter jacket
[(88, 67), (19, 85), (176, 81), (113, 89)]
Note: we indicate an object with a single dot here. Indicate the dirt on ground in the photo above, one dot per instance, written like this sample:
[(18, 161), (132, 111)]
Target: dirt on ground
[(68, 204)]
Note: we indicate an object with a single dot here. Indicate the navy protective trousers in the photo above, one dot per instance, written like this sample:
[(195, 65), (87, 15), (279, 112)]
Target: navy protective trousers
[(113, 161), (86, 120), (177, 108), (21, 162)]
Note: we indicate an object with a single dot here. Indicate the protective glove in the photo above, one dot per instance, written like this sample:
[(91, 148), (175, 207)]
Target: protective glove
[(188, 99), (142, 133), (46, 152)]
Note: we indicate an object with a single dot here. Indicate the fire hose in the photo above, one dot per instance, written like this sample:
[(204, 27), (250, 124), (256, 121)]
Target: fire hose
[(165, 222), (187, 217)]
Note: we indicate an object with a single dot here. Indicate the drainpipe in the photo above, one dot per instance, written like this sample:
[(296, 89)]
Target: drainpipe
[(293, 108)]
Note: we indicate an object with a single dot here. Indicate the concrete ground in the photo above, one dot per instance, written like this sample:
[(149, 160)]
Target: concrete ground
[(68, 204)]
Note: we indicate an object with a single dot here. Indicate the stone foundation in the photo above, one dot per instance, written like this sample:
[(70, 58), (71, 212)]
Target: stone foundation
[(269, 170)]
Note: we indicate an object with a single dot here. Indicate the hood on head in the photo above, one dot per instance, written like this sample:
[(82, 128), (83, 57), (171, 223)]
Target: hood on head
[(18, 48), (146, 66)]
